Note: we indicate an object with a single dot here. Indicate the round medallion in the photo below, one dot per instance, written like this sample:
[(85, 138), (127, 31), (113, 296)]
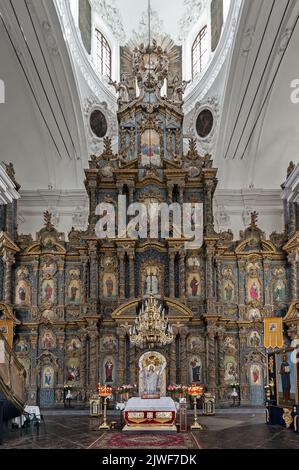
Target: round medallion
[(204, 123), (98, 123)]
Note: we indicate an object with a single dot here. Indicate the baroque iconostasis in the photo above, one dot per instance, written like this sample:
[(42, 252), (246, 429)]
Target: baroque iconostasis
[(73, 298)]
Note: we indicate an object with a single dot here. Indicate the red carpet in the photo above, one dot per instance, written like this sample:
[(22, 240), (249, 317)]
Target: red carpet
[(109, 440)]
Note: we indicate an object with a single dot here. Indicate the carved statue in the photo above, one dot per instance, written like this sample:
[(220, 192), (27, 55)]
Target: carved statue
[(179, 89), (122, 89)]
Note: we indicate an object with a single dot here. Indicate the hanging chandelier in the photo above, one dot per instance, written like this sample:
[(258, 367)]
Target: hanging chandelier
[(151, 328)]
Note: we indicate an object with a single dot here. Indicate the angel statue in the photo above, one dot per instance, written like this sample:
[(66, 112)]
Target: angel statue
[(179, 89), (122, 88)]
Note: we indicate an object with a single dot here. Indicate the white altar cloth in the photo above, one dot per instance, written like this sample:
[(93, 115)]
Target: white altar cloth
[(161, 404)]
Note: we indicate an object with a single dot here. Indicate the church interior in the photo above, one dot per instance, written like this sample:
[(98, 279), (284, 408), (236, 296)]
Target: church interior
[(149, 224)]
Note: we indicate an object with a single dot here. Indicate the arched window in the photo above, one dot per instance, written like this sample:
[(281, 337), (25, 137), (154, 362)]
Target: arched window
[(200, 52), (103, 54)]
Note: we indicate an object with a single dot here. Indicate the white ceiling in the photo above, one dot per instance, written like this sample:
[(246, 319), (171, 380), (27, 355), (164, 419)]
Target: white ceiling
[(133, 11)]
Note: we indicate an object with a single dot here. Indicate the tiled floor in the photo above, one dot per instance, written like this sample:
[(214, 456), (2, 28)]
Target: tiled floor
[(229, 429)]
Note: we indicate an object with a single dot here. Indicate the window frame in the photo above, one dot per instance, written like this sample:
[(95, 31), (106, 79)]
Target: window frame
[(197, 43), (102, 45)]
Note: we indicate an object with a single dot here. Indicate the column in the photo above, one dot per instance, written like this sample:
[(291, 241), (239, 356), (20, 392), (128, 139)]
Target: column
[(172, 362), (93, 277), (218, 280), (169, 192), (132, 275), (61, 289), (182, 273), (84, 260), (183, 354), (9, 260), (211, 362), (220, 343), (92, 192), (83, 365), (93, 342), (121, 280), (121, 333), (293, 264), (171, 273), (209, 278), (133, 377), (33, 369), (34, 293)]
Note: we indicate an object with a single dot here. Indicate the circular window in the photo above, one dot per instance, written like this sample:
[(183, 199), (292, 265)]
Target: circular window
[(204, 123), (98, 123)]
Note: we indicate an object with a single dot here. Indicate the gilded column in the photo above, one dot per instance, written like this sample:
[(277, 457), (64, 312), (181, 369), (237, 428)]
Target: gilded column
[(172, 362), (218, 280), (84, 260), (35, 287), (93, 359), (121, 357), (9, 260), (221, 353), (171, 273), (211, 358), (133, 376), (93, 277), (132, 274), (61, 289), (83, 357), (121, 281), (294, 280), (183, 356), (182, 273), (33, 369)]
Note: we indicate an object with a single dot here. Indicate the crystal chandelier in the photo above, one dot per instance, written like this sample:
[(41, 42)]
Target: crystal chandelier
[(151, 327)]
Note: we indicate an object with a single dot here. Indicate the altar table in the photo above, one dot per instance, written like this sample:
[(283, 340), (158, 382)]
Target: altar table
[(150, 414)]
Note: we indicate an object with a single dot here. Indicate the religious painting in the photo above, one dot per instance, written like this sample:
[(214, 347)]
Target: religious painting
[(73, 370), (109, 285), (151, 281), (48, 340), (109, 343), (47, 377), (193, 285), (152, 374), (73, 344), (286, 379), (254, 340), (194, 343), (256, 375), (229, 295), (230, 345), (230, 370), (22, 347), (150, 148), (74, 294), (49, 268), (279, 291), (109, 370), (253, 290), (204, 123), (48, 291), (195, 369), (254, 314), (98, 123), (22, 293), (48, 314)]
